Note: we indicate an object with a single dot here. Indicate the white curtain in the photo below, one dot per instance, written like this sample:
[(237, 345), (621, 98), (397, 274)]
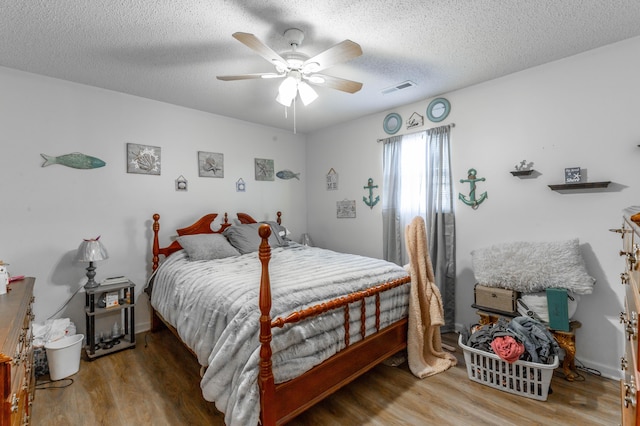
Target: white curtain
[(417, 182)]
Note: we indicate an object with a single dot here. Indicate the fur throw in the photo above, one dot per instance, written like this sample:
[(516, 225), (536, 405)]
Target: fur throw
[(529, 267), (424, 347)]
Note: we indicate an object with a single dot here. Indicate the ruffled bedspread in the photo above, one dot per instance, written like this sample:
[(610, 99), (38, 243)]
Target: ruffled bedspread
[(214, 307)]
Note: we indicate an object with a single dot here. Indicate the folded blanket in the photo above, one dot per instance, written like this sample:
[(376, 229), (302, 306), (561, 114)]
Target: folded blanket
[(426, 315)]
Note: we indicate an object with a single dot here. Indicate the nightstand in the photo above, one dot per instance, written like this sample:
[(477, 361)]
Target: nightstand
[(102, 301)]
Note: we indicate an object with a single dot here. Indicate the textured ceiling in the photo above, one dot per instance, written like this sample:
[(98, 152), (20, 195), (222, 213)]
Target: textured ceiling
[(172, 51)]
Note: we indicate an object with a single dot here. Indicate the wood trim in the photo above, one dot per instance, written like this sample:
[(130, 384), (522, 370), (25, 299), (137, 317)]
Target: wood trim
[(265, 378), (338, 302), (247, 219)]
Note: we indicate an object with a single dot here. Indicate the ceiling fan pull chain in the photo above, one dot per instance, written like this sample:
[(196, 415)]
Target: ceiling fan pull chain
[(294, 114)]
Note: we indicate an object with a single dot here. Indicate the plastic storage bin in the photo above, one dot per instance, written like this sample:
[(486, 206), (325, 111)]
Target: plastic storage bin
[(64, 356), (523, 378)]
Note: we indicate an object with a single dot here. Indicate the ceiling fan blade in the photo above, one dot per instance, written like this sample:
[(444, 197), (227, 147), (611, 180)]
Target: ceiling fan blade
[(337, 83), (250, 76), (341, 52), (260, 48)]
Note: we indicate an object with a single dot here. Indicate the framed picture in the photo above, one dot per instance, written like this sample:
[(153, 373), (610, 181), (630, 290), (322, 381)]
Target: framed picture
[(143, 159), (264, 169), (572, 175), (210, 164), (346, 209)]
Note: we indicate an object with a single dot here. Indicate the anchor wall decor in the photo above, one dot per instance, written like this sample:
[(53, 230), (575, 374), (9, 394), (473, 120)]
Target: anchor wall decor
[(472, 201), (371, 202)]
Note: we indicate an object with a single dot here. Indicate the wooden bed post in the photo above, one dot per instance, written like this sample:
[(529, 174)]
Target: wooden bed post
[(156, 244), (265, 379)]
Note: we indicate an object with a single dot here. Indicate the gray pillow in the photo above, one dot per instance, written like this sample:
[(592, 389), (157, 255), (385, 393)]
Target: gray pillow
[(280, 232), (246, 239), (207, 246)]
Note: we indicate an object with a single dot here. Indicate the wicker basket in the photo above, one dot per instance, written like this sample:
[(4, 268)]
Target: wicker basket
[(523, 378)]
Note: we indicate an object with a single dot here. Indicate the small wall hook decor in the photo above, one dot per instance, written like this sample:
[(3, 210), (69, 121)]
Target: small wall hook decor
[(472, 179), (240, 185), (371, 202)]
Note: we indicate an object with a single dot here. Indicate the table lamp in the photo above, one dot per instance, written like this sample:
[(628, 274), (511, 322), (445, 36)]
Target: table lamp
[(306, 240), (91, 251)]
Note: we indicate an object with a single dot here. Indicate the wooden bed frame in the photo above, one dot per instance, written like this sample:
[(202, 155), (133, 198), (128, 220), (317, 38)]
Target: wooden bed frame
[(279, 403)]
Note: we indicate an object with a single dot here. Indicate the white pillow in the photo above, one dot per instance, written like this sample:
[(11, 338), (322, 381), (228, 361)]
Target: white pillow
[(529, 267), (537, 302)]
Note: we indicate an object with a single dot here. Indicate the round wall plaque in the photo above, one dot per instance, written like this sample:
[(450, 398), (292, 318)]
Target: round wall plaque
[(392, 123), (438, 109)]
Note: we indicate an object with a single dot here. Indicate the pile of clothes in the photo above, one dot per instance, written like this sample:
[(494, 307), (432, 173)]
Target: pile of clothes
[(522, 338)]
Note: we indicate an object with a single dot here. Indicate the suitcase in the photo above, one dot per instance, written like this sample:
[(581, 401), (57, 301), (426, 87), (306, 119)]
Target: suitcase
[(496, 299)]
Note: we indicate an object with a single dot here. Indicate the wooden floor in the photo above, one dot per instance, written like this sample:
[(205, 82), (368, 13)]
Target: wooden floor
[(158, 384)]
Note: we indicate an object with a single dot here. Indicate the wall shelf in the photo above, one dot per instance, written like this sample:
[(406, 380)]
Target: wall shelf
[(521, 172), (580, 185)]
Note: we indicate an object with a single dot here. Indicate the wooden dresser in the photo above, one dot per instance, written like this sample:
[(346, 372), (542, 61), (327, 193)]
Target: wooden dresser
[(630, 278), (17, 375)]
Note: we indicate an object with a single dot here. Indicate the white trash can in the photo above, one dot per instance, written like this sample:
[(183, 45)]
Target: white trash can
[(64, 356)]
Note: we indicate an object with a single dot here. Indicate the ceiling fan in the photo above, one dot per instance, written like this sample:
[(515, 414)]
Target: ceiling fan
[(300, 70)]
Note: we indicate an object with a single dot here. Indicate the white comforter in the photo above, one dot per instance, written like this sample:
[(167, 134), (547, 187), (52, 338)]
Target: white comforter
[(214, 307)]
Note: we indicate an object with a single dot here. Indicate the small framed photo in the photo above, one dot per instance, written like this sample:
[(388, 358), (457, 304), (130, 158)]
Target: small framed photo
[(210, 164), (346, 209), (572, 175), (264, 169), (143, 159), (111, 299)]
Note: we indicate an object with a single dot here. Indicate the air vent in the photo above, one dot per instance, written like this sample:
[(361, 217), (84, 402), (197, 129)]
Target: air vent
[(399, 86)]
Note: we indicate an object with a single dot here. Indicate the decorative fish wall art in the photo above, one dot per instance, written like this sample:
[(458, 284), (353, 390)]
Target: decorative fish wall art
[(75, 160), (287, 174)]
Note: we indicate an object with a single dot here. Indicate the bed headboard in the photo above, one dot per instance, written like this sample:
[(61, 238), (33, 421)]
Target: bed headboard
[(245, 218), (201, 226)]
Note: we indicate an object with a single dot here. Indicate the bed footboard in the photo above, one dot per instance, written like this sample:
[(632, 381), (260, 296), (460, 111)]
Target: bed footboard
[(281, 403)]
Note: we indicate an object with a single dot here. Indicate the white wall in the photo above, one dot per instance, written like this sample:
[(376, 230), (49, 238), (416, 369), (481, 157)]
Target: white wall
[(581, 111), (47, 211)]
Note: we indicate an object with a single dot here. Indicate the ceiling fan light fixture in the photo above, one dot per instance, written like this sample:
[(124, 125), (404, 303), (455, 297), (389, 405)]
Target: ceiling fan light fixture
[(311, 67), (316, 79), (288, 87), (307, 94), (284, 100), (287, 90)]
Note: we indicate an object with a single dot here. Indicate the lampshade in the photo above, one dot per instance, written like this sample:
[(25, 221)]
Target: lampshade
[(307, 94), (91, 250), (306, 240), (287, 91)]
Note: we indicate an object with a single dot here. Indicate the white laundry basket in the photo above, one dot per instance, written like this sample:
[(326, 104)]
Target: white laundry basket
[(64, 356), (523, 378)]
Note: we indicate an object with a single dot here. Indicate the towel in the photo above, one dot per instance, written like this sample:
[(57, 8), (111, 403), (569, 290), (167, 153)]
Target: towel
[(426, 315)]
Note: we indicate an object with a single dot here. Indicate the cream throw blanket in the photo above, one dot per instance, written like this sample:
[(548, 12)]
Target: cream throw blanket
[(426, 315)]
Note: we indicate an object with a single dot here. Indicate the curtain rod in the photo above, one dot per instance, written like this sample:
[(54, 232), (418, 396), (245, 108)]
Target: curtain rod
[(418, 131)]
